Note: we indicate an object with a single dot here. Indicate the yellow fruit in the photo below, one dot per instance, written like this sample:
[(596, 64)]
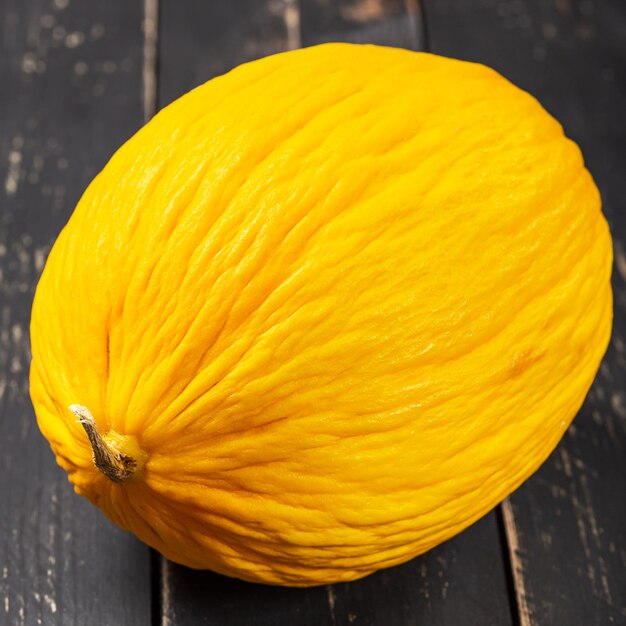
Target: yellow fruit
[(326, 311)]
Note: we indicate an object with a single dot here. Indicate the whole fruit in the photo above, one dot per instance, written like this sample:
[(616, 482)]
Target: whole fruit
[(322, 313)]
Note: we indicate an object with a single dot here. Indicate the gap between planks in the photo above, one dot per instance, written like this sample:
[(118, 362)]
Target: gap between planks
[(159, 568), (417, 16), (164, 612), (521, 606)]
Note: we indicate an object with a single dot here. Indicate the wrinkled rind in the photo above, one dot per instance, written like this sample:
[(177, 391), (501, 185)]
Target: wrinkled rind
[(347, 298)]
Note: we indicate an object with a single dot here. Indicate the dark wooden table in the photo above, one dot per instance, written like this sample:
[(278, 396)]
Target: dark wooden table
[(79, 77)]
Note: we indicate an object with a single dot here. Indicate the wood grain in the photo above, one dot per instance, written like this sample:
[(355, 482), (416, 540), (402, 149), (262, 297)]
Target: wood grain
[(445, 586), (566, 524), (71, 92)]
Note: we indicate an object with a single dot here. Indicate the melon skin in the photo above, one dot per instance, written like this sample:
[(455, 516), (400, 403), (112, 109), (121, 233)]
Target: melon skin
[(339, 302)]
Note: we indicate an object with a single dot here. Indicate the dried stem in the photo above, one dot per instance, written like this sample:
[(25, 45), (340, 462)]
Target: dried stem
[(114, 464)]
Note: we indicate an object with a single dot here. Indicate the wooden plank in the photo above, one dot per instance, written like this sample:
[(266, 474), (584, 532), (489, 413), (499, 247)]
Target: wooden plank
[(445, 586), (442, 587), (71, 93), (566, 524), (197, 42)]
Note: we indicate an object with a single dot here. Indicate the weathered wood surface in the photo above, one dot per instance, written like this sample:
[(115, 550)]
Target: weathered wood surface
[(77, 79), (71, 93), (197, 41), (460, 582), (567, 524)]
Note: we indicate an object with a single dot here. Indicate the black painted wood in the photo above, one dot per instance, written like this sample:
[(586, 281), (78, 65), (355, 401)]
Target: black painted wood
[(395, 23), (71, 93), (566, 524), (199, 40), (445, 586)]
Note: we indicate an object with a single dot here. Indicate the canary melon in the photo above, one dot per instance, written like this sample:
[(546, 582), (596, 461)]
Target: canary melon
[(322, 313)]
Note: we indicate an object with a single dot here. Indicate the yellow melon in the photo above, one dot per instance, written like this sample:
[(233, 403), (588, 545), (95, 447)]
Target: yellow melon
[(322, 313)]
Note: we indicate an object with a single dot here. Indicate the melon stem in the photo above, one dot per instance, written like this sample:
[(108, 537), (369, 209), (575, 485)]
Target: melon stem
[(112, 462)]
